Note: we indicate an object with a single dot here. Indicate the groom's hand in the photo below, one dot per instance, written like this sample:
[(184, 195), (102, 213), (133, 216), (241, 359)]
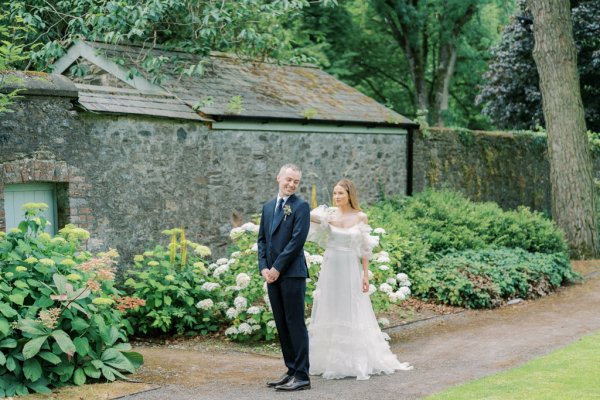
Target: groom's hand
[(266, 276), (274, 274)]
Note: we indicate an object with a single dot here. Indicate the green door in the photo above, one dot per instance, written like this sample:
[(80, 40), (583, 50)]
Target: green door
[(18, 194)]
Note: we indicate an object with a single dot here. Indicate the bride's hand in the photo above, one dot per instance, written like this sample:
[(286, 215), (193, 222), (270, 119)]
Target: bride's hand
[(365, 284)]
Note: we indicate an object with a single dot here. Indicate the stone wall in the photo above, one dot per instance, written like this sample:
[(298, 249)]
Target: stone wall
[(511, 169), (127, 178)]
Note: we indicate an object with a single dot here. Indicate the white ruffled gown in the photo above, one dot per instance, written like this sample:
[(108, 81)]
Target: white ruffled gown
[(344, 337)]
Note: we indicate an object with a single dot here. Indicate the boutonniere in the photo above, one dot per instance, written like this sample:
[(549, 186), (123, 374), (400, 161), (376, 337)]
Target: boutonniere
[(287, 210)]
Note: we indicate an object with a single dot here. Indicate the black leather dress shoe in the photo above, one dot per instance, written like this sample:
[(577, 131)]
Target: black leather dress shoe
[(294, 384), (285, 378)]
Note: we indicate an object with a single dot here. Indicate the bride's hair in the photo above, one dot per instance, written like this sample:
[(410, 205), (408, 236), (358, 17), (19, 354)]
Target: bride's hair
[(349, 187)]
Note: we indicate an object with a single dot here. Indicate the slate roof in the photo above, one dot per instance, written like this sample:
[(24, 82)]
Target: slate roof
[(133, 101), (267, 90)]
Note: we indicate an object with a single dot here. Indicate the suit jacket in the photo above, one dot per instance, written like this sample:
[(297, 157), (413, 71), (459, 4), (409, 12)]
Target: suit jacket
[(282, 246)]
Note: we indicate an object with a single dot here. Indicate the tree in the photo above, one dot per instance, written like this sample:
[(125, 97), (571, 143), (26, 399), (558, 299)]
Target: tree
[(573, 197), (252, 27), (409, 55), (511, 96), (10, 54)]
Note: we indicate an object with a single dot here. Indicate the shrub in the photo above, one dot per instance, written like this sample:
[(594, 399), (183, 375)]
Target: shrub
[(58, 325), (486, 278), (170, 280)]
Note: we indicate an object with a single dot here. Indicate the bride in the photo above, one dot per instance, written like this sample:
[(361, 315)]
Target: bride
[(344, 336)]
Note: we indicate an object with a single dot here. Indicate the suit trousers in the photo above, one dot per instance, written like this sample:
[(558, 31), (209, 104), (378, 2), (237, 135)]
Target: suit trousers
[(287, 302)]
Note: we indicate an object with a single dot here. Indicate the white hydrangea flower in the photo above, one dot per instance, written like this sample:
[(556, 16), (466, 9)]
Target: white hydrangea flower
[(236, 254), (402, 277), (316, 259), (240, 303), (379, 231), (271, 324), (405, 291), (233, 288), (372, 289), (391, 281), (383, 267), (385, 288), (212, 266), (383, 259), (231, 313), (242, 280), (254, 310), (222, 261), (254, 247), (250, 227), (221, 269), (210, 286), (222, 305), (245, 328), (370, 274), (265, 286), (205, 304), (232, 330), (396, 296), (255, 328), (236, 233), (383, 321), (267, 302)]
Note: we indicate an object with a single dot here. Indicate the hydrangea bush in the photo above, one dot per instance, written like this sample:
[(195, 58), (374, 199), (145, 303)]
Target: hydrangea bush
[(61, 317), (228, 295)]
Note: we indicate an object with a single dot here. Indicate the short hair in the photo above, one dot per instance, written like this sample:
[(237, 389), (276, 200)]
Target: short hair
[(293, 167), (349, 187)]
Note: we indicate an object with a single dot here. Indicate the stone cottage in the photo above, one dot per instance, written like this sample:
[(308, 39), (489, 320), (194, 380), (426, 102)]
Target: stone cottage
[(127, 154)]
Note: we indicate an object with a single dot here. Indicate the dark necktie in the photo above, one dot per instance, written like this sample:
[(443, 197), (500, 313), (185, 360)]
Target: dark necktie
[(278, 210)]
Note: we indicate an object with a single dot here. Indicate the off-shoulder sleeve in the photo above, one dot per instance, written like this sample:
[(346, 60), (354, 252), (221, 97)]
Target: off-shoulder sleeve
[(367, 241), (319, 232)]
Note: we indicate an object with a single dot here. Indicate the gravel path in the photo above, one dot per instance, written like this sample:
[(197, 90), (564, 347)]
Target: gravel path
[(445, 351)]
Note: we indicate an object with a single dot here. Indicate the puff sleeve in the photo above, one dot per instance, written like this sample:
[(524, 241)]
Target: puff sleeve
[(319, 232), (367, 242)]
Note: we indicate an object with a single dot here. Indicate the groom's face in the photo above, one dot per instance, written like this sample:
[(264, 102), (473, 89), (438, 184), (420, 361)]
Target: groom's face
[(288, 181)]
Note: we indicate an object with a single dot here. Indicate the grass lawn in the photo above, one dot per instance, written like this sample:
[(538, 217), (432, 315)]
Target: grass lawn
[(570, 373)]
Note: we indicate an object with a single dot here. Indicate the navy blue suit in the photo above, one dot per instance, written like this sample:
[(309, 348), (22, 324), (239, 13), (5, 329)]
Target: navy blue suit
[(281, 245)]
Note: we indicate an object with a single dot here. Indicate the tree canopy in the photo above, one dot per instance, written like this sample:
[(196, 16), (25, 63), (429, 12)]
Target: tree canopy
[(511, 97)]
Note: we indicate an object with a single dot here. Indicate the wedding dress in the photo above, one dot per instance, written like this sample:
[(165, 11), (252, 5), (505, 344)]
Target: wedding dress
[(344, 337)]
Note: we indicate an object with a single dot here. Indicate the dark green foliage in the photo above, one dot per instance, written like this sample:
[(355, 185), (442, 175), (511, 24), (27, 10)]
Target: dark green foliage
[(486, 278), (470, 254), (511, 96)]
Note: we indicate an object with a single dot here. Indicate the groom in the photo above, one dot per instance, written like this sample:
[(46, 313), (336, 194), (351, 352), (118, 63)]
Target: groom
[(284, 225)]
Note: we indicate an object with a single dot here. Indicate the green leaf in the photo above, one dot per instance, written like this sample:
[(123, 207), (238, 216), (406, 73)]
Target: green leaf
[(64, 342), (167, 300), (79, 377), (82, 345), (92, 371), (17, 298), (6, 310), (50, 357), (116, 359), (33, 347), (108, 373), (8, 343), (32, 327), (135, 358), (4, 326), (61, 283), (32, 369), (20, 284), (11, 364), (40, 386), (2, 359), (79, 324)]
